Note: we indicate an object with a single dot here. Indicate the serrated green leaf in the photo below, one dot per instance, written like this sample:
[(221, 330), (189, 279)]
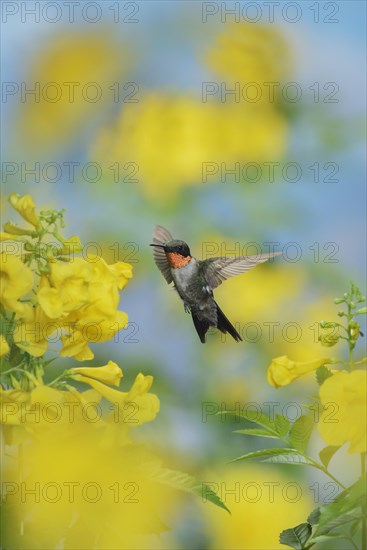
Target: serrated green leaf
[(296, 537), (256, 431), (255, 416), (327, 453), (189, 484), (313, 518), (266, 453), (339, 521), (345, 508), (282, 424), (322, 374), (295, 459), (300, 433), (279, 426)]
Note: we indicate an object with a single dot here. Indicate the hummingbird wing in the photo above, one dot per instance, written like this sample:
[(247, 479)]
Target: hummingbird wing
[(161, 236), (220, 269)]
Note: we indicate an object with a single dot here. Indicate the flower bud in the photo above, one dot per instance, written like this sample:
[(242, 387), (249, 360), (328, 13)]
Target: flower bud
[(13, 229), (354, 329), (25, 207), (329, 340)]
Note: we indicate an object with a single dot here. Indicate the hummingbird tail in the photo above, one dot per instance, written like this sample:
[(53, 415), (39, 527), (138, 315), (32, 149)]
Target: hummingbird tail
[(225, 326), (201, 325)]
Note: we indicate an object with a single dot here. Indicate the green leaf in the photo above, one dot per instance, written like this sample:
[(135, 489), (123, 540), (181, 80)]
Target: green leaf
[(327, 453), (322, 374), (267, 453), (295, 459), (189, 484), (278, 427), (300, 433), (313, 518), (254, 416), (256, 431), (345, 508), (282, 424), (296, 537)]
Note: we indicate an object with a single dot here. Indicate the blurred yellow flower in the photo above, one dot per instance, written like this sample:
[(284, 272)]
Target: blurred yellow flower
[(262, 500), (344, 397), (80, 473), (190, 133), (7, 236), (251, 54), (13, 229), (109, 374), (16, 280), (72, 77), (283, 371), (24, 205), (4, 346)]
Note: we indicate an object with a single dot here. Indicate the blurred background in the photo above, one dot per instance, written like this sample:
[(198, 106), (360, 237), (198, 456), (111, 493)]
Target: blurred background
[(238, 126)]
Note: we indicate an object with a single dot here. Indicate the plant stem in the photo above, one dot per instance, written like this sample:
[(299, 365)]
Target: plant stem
[(326, 472)]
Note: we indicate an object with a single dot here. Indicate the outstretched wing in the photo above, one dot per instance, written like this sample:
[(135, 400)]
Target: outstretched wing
[(222, 268), (161, 236)]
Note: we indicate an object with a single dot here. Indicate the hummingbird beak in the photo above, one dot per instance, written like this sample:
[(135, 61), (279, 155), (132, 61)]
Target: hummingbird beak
[(158, 245)]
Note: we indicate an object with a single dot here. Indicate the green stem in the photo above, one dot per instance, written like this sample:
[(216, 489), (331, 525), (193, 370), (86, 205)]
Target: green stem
[(29, 375), (325, 471)]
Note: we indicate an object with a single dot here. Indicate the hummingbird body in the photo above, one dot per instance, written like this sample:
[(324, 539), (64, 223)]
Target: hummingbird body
[(195, 279)]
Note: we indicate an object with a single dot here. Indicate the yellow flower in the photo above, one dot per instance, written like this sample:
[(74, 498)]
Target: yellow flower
[(33, 329), (76, 346), (83, 478), (343, 396), (122, 272), (12, 229), (69, 287), (4, 346), (136, 406), (263, 501), (73, 71), (10, 405), (249, 53), (188, 131), (109, 374), (7, 236), (16, 280), (25, 206), (71, 246), (283, 371)]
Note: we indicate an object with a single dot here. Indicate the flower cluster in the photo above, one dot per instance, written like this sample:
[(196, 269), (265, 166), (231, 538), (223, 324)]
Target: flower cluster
[(56, 434), (47, 291), (346, 388)]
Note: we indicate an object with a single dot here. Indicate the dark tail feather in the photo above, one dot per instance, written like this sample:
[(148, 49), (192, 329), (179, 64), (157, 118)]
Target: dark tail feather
[(225, 326), (202, 327)]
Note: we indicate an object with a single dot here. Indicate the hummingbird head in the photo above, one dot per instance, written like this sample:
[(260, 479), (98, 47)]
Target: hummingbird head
[(177, 253)]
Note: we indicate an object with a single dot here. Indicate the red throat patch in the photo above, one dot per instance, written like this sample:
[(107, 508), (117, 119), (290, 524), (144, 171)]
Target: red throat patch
[(176, 261)]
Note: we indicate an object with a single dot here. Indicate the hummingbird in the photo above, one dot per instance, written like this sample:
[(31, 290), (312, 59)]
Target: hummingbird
[(194, 280)]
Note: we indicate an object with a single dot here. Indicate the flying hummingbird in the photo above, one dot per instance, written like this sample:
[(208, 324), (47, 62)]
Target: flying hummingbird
[(195, 279)]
